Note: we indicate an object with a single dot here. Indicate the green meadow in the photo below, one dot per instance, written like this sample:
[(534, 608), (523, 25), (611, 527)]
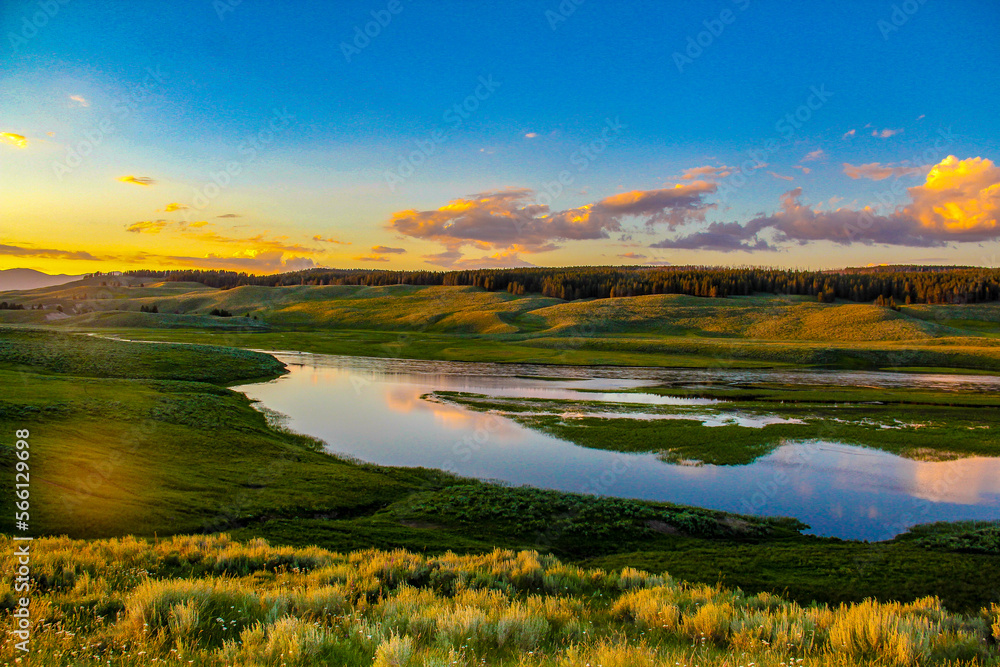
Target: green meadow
[(214, 601), (164, 484)]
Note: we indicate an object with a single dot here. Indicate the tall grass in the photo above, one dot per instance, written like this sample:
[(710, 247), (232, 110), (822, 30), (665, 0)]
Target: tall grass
[(208, 600)]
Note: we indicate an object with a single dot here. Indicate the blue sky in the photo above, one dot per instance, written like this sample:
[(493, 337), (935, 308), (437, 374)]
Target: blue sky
[(188, 86)]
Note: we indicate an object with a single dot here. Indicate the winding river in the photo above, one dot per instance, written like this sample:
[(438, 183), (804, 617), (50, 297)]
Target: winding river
[(373, 409)]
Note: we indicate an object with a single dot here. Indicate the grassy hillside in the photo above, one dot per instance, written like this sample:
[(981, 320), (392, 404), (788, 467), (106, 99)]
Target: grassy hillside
[(212, 601), (469, 324)]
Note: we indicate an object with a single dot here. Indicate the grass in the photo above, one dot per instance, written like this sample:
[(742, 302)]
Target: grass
[(469, 324), (215, 601), (35, 350), (151, 442)]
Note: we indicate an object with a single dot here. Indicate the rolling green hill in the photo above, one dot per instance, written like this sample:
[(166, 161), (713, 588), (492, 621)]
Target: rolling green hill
[(468, 323)]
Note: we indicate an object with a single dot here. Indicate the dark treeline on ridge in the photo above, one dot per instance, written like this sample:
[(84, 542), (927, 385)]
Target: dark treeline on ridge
[(901, 284)]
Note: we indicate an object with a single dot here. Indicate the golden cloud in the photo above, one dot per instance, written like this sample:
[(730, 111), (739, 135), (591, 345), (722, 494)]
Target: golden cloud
[(147, 226), (174, 206), (137, 180), (15, 140), (320, 239), (960, 198)]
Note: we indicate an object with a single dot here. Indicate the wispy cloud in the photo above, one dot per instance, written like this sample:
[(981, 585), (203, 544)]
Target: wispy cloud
[(80, 100), (370, 258), (506, 259), (706, 172), (784, 178), (47, 253), (229, 215), (320, 239), (849, 134), (147, 226), (385, 250), (886, 133), (876, 171), (632, 255), (137, 180), (817, 154), (174, 206)]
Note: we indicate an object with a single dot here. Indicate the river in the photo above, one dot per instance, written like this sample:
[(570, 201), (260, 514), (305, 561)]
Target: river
[(373, 409)]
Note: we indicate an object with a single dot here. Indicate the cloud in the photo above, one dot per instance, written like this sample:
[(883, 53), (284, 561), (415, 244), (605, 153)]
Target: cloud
[(80, 100), (320, 239), (47, 253), (721, 237), (229, 215), (503, 219), (817, 154), (384, 250), (784, 178), (958, 202), (886, 133), (255, 244), (371, 258), (138, 180), (632, 255), (271, 261), (849, 133), (531, 135), (15, 140), (708, 171), (174, 206), (805, 170), (506, 259), (147, 226), (960, 199), (876, 172)]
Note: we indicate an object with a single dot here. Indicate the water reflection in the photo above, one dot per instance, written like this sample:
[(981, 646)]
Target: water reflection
[(372, 409)]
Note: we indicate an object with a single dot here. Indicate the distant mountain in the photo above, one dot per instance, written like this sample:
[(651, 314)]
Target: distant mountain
[(21, 279)]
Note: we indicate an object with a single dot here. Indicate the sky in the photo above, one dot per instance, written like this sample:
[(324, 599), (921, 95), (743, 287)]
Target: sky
[(407, 134)]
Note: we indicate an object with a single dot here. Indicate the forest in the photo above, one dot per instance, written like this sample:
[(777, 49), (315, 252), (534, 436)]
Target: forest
[(898, 284)]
